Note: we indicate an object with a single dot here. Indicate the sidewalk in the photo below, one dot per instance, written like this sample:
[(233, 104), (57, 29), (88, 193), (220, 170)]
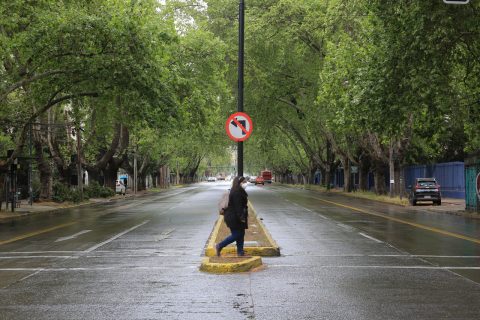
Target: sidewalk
[(26, 209)]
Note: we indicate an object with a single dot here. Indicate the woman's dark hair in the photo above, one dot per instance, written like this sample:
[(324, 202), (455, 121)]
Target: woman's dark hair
[(236, 183)]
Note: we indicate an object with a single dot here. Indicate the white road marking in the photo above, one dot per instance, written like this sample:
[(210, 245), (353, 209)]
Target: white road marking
[(306, 209), (73, 236), (164, 235), (101, 268), (269, 265), (115, 237), (375, 267), (30, 275), (385, 256), (33, 257), (344, 226), (35, 252), (126, 255), (369, 237)]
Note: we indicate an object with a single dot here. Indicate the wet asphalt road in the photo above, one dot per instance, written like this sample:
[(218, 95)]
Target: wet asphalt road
[(341, 259)]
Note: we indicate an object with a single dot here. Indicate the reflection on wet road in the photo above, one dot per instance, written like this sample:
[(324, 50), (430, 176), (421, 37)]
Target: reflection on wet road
[(445, 241), (342, 259)]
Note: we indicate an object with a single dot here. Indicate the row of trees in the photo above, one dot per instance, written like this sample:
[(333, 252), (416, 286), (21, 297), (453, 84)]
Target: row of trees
[(371, 83), (108, 78)]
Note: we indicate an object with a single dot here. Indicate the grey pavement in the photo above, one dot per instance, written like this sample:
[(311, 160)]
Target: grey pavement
[(139, 259)]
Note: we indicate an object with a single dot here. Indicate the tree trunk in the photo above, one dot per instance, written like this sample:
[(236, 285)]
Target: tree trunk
[(110, 175), (363, 169), (94, 175), (142, 182), (45, 170), (328, 179), (323, 176), (2, 190), (347, 179), (163, 182), (379, 177)]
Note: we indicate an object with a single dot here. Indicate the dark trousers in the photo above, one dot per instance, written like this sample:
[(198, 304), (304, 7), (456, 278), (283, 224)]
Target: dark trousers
[(238, 235)]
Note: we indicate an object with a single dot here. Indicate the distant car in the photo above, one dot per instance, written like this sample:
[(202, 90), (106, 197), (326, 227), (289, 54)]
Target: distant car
[(425, 189), (219, 178), (120, 187), (211, 179), (260, 180), (252, 179)]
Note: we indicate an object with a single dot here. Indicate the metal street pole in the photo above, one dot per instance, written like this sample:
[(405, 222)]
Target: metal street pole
[(14, 184), (241, 37), (135, 171), (79, 163), (178, 175), (30, 170)]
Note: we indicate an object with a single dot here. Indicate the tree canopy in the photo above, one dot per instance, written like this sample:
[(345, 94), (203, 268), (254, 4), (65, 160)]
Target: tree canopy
[(368, 83)]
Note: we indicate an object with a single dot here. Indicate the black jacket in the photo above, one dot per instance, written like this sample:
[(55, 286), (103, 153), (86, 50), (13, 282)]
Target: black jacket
[(236, 214)]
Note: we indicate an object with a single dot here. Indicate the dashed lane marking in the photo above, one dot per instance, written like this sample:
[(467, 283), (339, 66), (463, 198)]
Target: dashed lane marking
[(101, 244), (73, 236), (369, 237), (36, 233)]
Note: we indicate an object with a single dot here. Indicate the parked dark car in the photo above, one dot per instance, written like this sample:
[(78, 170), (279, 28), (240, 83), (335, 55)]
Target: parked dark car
[(425, 189)]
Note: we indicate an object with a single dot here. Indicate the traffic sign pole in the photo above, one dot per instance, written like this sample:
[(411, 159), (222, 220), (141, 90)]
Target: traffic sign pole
[(241, 37)]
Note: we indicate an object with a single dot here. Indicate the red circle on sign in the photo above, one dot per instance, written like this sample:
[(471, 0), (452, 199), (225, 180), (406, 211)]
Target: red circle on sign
[(233, 118)]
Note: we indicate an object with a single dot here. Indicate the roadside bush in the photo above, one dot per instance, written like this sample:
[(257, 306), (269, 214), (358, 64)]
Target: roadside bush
[(62, 192), (95, 190)]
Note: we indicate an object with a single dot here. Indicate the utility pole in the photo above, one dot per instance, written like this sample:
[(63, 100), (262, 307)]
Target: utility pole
[(30, 171), (391, 165), (14, 184), (79, 162), (135, 171), (178, 174), (241, 46)]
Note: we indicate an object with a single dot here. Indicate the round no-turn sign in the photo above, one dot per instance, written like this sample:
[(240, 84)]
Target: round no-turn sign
[(239, 126)]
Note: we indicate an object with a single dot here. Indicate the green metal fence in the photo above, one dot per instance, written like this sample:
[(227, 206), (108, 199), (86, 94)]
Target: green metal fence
[(472, 183)]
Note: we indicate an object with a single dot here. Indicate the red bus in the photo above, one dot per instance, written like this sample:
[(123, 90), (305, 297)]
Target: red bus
[(267, 176)]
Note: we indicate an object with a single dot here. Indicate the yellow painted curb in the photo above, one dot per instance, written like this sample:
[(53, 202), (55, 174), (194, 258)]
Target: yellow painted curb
[(210, 250), (243, 266), (274, 246), (271, 251), (249, 251)]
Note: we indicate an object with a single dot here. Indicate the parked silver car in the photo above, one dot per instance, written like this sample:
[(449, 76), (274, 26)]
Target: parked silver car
[(120, 188)]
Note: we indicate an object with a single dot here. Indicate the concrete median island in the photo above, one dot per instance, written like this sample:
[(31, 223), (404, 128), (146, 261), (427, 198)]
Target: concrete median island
[(230, 264), (258, 243)]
